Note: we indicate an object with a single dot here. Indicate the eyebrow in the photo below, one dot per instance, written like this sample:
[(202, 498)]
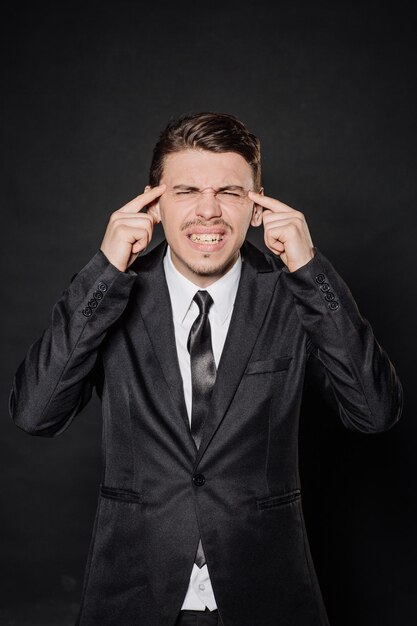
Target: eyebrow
[(232, 188), (188, 187), (226, 187)]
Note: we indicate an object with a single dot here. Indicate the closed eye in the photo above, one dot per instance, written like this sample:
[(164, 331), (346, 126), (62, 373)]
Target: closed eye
[(234, 194)]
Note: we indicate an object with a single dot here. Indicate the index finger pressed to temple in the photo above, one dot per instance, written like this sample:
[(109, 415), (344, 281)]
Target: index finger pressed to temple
[(271, 203), (138, 203)]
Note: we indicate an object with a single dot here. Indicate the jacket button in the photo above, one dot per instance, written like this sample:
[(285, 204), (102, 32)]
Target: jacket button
[(92, 304), (320, 279), (329, 296), (98, 295), (325, 287), (102, 286), (87, 312), (333, 306), (199, 480)]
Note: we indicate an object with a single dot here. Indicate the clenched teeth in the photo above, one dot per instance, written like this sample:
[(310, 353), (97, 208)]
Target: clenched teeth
[(206, 238)]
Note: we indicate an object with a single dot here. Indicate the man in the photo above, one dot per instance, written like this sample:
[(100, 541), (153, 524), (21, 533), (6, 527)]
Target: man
[(198, 351)]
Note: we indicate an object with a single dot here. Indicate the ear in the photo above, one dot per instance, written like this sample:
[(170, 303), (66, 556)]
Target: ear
[(153, 207), (256, 219)]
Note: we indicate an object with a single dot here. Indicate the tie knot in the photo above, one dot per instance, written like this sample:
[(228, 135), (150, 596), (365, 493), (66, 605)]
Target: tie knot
[(204, 301)]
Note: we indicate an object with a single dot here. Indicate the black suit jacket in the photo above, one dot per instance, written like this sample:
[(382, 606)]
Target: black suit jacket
[(241, 490)]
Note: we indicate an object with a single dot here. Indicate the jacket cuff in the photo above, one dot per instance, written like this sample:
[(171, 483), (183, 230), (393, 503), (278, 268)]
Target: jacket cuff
[(99, 285), (318, 284)]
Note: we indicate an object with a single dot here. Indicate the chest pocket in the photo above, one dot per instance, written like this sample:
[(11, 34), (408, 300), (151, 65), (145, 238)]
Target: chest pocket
[(278, 364)]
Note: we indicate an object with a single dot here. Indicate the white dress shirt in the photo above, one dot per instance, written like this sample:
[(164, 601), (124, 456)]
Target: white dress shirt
[(185, 310)]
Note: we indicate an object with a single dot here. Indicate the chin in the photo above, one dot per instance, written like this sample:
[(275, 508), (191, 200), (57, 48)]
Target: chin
[(210, 268)]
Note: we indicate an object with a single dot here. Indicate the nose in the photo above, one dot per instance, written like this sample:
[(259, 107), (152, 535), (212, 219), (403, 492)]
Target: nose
[(208, 205)]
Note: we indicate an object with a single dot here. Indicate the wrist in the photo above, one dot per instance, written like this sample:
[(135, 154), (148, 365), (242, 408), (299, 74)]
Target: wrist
[(293, 267), (114, 262)]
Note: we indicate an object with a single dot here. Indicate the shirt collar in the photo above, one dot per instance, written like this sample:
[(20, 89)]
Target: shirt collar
[(182, 291)]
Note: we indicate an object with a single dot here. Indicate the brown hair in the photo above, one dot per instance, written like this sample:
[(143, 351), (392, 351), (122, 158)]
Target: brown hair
[(217, 132)]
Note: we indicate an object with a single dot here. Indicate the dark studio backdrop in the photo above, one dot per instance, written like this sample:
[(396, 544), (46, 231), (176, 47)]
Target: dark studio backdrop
[(331, 92)]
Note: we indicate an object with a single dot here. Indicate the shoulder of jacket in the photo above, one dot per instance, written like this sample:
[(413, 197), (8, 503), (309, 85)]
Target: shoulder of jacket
[(263, 261)]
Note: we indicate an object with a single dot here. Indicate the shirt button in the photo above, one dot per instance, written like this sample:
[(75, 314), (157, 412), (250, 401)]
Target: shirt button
[(199, 480), (201, 586)]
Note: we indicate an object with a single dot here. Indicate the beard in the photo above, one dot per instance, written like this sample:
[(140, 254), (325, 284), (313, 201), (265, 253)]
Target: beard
[(211, 269)]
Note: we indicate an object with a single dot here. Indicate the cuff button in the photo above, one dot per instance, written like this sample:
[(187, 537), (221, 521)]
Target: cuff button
[(320, 279), (92, 304), (87, 312), (325, 287), (102, 286), (333, 306), (329, 296), (98, 295)]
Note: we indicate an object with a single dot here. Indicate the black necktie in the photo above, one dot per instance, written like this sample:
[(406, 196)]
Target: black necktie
[(203, 367), (203, 376)]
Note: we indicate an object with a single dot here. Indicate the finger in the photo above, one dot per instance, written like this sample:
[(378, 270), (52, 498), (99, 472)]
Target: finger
[(269, 217), (285, 233), (129, 221), (269, 203), (145, 198), (132, 226), (275, 244), (139, 246), (140, 239), (136, 220)]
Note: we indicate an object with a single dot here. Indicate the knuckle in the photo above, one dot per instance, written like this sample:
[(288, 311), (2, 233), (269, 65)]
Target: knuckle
[(142, 232), (120, 229), (149, 218)]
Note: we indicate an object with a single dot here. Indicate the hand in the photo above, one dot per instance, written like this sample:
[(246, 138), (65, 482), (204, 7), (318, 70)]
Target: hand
[(286, 231), (129, 231)]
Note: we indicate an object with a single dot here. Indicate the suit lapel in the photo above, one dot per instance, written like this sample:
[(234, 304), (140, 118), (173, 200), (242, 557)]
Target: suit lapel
[(253, 297), (155, 307)]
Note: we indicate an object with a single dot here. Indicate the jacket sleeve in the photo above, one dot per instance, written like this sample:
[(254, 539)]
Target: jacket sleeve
[(344, 358), (55, 380)]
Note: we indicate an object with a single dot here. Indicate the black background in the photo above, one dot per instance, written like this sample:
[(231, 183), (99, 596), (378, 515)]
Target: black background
[(331, 92)]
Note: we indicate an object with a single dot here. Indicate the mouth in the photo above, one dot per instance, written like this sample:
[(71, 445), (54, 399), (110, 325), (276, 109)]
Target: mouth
[(206, 238)]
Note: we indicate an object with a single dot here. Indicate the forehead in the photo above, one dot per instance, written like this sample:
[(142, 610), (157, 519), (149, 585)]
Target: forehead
[(205, 168)]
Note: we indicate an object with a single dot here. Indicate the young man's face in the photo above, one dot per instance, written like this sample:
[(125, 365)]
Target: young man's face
[(205, 211)]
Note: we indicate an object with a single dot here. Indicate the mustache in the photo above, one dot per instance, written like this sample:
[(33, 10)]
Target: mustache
[(199, 222)]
